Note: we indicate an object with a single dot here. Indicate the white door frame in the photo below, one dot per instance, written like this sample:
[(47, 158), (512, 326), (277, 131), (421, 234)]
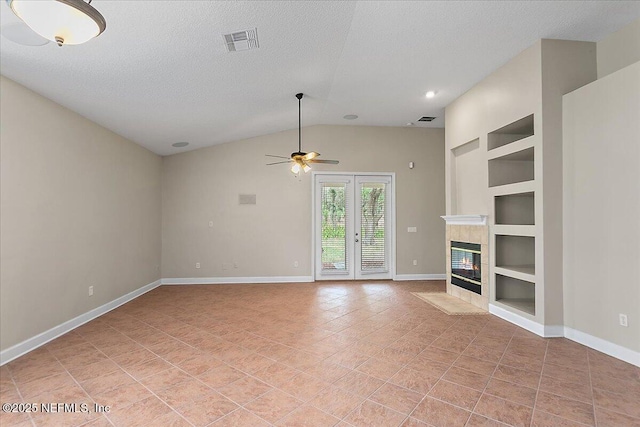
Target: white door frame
[(392, 209)]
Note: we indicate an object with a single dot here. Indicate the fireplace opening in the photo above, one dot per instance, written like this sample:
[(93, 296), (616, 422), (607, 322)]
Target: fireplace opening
[(465, 266)]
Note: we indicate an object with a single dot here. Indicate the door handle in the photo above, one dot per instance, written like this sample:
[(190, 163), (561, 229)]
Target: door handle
[(357, 240)]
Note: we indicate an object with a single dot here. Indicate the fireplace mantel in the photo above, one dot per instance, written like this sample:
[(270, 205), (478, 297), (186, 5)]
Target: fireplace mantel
[(465, 219)]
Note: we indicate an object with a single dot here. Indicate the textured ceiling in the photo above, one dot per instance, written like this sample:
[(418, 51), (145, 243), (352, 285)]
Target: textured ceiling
[(160, 72)]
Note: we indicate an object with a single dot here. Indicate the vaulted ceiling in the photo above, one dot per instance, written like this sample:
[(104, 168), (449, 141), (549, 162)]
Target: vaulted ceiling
[(160, 73)]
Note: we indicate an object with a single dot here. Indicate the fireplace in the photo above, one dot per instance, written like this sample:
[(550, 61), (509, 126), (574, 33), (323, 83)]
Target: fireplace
[(466, 266)]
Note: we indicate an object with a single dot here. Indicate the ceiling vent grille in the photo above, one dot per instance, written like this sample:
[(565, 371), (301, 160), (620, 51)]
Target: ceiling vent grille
[(426, 119), (241, 40)]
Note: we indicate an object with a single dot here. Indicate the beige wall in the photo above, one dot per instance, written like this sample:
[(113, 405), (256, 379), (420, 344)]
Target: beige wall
[(602, 207), (80, 206), (267, 238), (566, 65), (619, 49), (508, 94)]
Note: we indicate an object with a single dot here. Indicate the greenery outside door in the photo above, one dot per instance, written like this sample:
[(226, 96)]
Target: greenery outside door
[(353, 226)]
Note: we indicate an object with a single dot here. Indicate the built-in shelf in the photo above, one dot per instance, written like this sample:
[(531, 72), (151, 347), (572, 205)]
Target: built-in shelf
[(522, 272), (512, 168), (512, 186), (514, 250), (515, 209), (527, 305), (513, 147), (516, 188), (516, 293), (465, 219), (510, 133), (515, 230)]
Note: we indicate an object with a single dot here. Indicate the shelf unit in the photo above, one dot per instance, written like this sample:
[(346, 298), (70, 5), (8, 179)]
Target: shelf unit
[(511, 176), (516, 113)]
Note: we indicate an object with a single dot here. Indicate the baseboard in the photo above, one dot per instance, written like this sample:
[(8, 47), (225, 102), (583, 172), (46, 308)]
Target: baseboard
[(403, 277), (553, 331), (278, 279), (523, 322), (231, 280), (603, 346), (549, 331), (34, 342)]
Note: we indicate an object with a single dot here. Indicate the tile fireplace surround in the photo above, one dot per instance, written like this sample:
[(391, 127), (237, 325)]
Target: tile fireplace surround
[(470, 229)]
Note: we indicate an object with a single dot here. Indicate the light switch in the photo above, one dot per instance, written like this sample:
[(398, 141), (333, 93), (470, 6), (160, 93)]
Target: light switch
[(412, 229)]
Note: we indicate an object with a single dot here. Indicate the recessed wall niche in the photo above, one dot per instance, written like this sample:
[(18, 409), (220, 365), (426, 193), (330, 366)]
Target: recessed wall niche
[(515, 209), (466, 180), (512, 168), (512, 132)]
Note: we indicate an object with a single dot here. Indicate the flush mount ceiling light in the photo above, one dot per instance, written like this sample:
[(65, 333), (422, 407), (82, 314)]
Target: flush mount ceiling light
[(61, 21), (20, 33), (350, 117), (180, 144), (430, 94)]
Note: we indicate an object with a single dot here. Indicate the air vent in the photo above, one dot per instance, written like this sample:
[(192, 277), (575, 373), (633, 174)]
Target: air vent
[(426, 119), (242, 40)]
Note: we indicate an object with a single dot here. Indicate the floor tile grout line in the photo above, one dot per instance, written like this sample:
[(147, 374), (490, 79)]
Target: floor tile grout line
[(593, 395), (76, 381), (445, 372), (473, 410), (567, 398), (137, 380), (143, 385), (385, 382), (535, 400), (114, 388), (15, 385), (224, 362), (197, 379), (611, 409)]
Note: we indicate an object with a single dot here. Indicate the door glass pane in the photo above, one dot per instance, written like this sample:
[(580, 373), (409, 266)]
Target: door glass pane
[(372, 199), (334, 212)]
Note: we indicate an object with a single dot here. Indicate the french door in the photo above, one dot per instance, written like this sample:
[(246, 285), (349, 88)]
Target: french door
[(353, 226)]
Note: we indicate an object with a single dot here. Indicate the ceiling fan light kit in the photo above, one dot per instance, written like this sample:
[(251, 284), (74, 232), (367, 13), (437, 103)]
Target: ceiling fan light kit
[(299, 158), (62, 21)]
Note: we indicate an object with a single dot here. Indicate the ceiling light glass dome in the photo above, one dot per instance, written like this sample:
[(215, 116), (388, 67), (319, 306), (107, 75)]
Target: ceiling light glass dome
[(61, 21)]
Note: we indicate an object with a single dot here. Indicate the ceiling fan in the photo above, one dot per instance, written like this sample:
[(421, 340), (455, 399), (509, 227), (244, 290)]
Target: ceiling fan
[(299, 159)]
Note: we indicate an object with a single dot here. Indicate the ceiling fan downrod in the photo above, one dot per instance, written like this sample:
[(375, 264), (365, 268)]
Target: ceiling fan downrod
[(299, 96)]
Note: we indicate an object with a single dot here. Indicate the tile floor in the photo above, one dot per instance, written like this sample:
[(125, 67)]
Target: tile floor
[(323, 354)]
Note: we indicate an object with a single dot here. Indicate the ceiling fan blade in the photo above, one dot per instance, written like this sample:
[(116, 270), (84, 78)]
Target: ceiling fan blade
[(279, 163), (329, 162), (280, 157), (311, 155)]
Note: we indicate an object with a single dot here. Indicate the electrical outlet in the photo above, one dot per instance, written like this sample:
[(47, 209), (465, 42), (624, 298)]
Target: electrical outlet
[(412, 229), (623, 320), (197, 265), (90, 291), (415, 262), (296, 264), (235, 264), (210, 223)]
